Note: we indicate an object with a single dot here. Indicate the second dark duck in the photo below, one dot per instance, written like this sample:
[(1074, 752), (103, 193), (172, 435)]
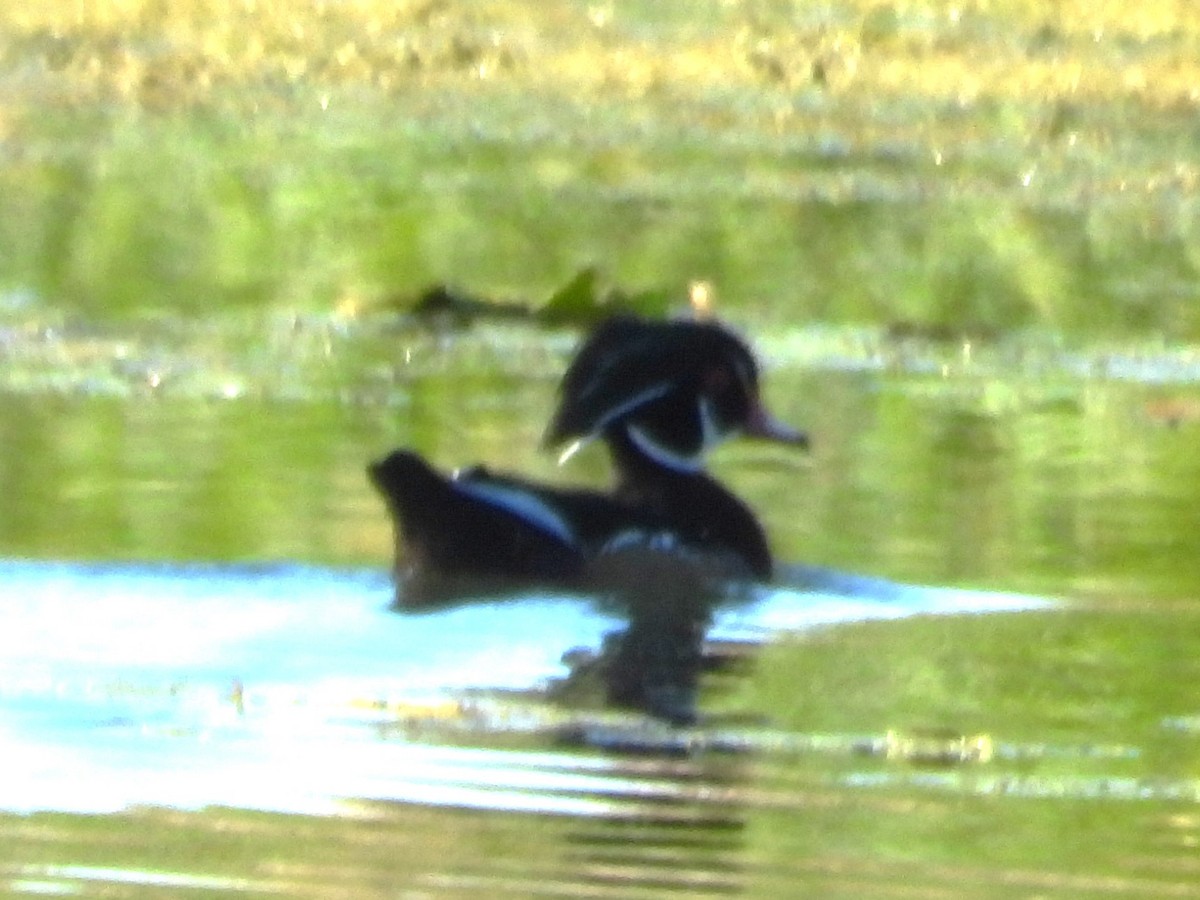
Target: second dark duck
[(660, 395)]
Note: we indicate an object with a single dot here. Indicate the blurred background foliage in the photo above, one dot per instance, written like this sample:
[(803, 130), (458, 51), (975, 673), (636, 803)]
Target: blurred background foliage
[(991, 165)]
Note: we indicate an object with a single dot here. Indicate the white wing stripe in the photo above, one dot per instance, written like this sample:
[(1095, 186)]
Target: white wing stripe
[(521, 504)]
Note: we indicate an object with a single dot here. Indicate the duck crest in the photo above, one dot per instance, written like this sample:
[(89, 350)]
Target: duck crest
[(652, 374)]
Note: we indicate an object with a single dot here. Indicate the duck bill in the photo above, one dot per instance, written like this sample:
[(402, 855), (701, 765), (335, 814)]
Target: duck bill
[(761, 424)]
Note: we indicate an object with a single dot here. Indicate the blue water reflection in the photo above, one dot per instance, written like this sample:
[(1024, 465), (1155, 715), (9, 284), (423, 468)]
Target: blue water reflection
[(294, 688)]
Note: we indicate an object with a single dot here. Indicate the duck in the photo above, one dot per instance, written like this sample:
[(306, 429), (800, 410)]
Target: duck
[(660, 395)]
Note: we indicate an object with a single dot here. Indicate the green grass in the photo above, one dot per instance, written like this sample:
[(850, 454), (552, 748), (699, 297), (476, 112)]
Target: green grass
[(995, 165)]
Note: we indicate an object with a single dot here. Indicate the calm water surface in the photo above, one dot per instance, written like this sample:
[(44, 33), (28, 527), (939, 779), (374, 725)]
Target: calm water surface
[(977, 678)]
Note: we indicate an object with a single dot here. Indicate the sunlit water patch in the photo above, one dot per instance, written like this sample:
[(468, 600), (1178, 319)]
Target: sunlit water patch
[(294, 688), (202, 707)]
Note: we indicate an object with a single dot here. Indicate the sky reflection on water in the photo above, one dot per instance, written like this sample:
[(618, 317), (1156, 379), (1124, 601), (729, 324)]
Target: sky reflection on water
[(268, 686)]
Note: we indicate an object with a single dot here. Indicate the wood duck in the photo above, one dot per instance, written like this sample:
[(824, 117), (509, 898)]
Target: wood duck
[(660, 395)]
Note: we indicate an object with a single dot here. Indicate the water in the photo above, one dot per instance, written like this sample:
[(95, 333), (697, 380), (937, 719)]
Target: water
[(226, 671), (975, 674)]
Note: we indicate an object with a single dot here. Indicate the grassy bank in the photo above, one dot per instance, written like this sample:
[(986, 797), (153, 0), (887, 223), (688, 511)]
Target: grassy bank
[(997, 164)]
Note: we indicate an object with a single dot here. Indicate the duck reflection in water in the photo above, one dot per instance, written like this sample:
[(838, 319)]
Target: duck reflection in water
[(663, 543)]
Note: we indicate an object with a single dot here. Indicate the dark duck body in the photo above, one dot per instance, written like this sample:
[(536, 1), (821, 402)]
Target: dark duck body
[(660, 395)]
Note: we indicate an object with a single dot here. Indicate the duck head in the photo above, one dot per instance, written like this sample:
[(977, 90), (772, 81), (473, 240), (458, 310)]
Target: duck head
[(671, 389)]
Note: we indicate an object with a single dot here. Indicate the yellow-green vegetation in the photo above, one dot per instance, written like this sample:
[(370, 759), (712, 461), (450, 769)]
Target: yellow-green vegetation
[(999, 163), (169, 55)]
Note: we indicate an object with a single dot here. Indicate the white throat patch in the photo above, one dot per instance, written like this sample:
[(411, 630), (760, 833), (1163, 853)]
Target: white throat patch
[(680, 462)]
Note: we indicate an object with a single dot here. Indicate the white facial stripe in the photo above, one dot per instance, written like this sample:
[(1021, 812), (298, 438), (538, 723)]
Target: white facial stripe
[(651, 393), (571, 449), (660, 454), (523, 505)]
